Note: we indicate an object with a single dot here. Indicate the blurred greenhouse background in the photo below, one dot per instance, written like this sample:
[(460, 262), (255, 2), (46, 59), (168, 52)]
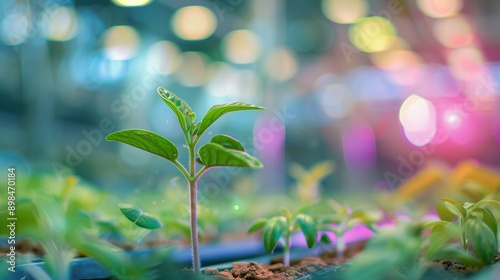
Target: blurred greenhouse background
[(378, 87)]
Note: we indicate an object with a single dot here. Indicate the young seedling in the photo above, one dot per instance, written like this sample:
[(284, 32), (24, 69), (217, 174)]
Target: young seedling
[(222, 150), (344, 219), (393, 253), (472, 225), (63, 231), (308, 180), (280, 228)]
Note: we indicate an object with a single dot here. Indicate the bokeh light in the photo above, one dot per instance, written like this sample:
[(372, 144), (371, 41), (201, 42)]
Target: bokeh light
[(453, 32), (452, 119), (194, 69), (228, 83), (440, 8), (372, 34), (344, 11), (467, 63), (15, 28), (131, 3), (164, 57), (418, 118), (242, 46), (336, 100), (121, 42), (61, 24), (404, 67), (194, 23), (281, 64)]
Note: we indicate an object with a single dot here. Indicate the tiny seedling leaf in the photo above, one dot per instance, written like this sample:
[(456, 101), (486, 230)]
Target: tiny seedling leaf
[(482, 239), (437, 223), (485, 202), (286, 213), (218, 110), (448, 199), (147, 141), (213, 154), (228, 142), (256, 225), (444, 214), (184, 113), (308, 227), (457, 209), (272, 232), (139, 217), (325, 239)]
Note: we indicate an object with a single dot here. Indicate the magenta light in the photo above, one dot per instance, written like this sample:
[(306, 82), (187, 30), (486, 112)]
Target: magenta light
[(358, 142)]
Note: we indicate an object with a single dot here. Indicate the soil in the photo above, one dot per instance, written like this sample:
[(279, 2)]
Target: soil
[(277, 271), (314, 265)]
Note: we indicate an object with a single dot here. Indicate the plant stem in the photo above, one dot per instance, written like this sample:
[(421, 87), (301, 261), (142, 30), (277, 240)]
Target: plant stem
[(193, 207), (286, 251), (194, 226), (340, 246)]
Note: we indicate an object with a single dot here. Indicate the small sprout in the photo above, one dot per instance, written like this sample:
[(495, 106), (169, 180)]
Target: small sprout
[(308, 180), (471, 225), (344, 219), (280, 229), (139, 217)]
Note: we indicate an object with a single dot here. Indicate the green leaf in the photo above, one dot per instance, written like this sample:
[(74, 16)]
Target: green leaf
[(273, 231), (286, 213), (147, 141), (256, 225), (448, 199), (489, 219), (331, 219), (373, 264), (139, 217), (213, 154), (325, 239), (218, 110), (228, 142), (435, 223), (184, 113), (112, 257), (482, 239), (457, 209), (444, 214), (485, 202), (454, 253), (308, 227), (32, 222)]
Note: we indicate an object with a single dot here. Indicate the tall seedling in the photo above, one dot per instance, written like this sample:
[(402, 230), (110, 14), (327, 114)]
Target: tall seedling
[(222, 150)]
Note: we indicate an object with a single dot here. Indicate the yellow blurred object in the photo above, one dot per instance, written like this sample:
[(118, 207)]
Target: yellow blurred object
[(373, 34), (308, 180), (469, 172), (428, 178), (344, 11), (131, 3), (121, 42), (194, 23), (70, 183)]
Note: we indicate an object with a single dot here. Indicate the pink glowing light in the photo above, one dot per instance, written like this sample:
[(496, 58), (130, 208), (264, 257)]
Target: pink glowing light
[(358, 142), (452, 119), (418, 118)]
